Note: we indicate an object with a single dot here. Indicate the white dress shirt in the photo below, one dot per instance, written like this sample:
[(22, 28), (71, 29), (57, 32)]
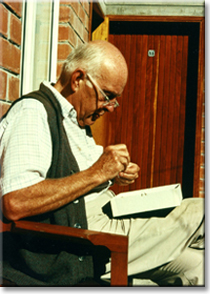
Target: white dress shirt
[(26, 147)]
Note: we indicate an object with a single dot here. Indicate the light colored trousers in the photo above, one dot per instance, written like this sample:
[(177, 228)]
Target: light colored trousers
[(169, 250)]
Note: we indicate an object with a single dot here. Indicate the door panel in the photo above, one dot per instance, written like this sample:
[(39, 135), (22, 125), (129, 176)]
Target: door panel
[(151, 119)]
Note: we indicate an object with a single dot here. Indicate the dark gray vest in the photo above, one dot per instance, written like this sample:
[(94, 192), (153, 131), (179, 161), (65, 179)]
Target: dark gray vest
[(33, 261)]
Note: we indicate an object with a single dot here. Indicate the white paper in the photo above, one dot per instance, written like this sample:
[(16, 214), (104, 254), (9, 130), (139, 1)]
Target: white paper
[(146, 200)]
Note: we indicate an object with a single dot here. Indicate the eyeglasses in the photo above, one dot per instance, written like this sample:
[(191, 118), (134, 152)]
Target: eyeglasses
[(107, 99)]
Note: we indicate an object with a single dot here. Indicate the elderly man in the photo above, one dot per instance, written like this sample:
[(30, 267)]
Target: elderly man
[(53, 172)]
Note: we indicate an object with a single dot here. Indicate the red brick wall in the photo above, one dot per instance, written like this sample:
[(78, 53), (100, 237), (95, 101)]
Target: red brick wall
[(10, 49), (74, 20)]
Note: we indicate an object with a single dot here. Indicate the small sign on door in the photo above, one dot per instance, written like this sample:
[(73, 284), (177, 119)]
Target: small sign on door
[(151, 53)]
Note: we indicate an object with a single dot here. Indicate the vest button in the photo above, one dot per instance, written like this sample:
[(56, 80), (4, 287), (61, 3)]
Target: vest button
[(77, 225), (76, 201), (81, 258)]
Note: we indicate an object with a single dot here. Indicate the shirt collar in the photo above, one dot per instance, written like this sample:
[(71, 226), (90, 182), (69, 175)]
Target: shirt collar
[(67, 108)]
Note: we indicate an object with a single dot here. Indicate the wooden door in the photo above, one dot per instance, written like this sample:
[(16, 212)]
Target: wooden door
[(175, 72), (151, 119)]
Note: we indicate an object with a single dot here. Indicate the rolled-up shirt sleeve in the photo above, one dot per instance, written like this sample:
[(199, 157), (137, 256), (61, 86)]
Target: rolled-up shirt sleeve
[(25, 146)]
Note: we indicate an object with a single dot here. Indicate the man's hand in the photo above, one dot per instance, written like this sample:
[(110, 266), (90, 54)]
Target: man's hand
[(114, 160), (128, 176)]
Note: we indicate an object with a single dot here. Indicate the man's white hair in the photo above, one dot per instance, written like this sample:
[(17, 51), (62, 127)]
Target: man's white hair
[(87, 57)]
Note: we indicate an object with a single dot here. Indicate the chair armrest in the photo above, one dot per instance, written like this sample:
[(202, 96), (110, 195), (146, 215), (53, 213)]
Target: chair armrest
[(117, 244), (113, 242)]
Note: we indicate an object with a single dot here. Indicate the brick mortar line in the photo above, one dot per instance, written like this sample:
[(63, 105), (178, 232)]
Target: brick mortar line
[(64, 42), (73, 28), (67, 5), (84, 7), (10, 9), (10, 41), (6, 101), (9, 74), (69, 24), (79, 37), (67, 43), (6, 70), (2, 100)]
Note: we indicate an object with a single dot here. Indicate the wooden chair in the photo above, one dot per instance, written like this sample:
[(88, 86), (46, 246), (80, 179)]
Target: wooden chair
[(116, 244)]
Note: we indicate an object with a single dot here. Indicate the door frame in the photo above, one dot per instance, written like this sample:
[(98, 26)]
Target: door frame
[(200, 81)]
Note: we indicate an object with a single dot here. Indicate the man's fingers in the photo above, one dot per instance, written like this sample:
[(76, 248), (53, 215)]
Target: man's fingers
[(125, 163), (132, 168), (128, 177), (124, 182)]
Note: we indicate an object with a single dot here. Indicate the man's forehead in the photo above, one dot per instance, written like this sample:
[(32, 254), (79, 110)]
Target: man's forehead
[(113, 81), (112, 87)]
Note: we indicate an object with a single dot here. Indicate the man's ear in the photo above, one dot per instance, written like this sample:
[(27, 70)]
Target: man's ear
[(76, 77)]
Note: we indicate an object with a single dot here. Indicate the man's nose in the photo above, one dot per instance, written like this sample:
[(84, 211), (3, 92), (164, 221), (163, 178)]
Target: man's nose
[(110, 108)]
